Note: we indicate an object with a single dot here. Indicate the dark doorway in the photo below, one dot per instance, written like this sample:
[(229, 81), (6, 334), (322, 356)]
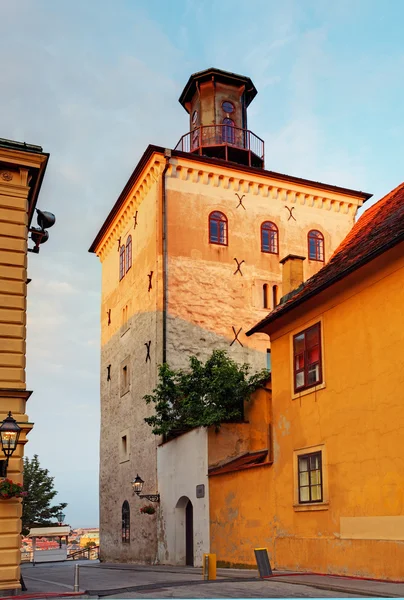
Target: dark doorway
[(189, 534)]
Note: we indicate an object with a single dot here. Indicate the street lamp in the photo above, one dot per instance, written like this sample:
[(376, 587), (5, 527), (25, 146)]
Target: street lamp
[(137, 485), (60, 517), (9, 436)]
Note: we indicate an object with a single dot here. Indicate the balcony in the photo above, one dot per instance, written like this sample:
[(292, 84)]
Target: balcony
[(226, 142)]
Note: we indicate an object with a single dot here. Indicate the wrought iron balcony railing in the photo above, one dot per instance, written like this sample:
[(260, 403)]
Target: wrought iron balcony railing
[(224, 141)]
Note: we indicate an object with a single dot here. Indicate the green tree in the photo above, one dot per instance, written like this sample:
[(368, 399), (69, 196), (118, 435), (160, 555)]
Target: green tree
[(36, 507), (90, 544), (206, 394)]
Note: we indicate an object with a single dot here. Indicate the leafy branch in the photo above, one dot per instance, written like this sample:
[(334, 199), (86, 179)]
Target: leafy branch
[(206, 394)]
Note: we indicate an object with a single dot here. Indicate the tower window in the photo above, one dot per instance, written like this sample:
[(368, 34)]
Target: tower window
[(274, 296), (269, 237), (125, 522), (228, 136), (128, 253), (316, 245), (218, 228), (228, 107), (122, 262), (265, 300)]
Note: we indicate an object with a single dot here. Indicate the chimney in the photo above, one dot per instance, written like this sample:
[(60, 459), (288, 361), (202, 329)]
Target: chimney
[(292, 274)]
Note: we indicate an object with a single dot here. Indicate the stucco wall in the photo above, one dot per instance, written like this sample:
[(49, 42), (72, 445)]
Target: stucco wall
[(16, 171), (357, 421), (134, 322), (182, 465)]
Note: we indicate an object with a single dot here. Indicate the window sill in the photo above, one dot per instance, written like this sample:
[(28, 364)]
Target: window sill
[(310, 390), (310, 507)]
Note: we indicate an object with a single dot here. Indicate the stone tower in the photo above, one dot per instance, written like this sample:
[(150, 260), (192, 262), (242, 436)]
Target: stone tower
[(190, 255)]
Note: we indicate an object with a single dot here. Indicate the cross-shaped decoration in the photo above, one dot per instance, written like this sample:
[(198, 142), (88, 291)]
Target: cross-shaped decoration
[(109, 316), (238, 270), (236, 336), (290, 212), (135, 219), (109, 373), (150, 275), (119, 243), (240, 203), (147, 344)]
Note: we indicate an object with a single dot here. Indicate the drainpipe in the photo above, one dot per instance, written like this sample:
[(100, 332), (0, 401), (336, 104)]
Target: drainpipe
[(167, 156)]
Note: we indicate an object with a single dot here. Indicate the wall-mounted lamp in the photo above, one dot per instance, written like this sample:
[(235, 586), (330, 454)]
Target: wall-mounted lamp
[(40, 235), (137, 485), (9, 436)]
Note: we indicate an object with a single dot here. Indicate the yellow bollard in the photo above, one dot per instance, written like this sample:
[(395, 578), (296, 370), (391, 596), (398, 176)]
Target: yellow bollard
[(209, 567)]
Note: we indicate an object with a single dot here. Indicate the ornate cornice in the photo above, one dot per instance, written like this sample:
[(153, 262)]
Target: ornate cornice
[(216, 177)]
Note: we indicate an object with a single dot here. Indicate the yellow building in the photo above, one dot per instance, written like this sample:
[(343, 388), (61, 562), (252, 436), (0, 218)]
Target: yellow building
[(90, 536), (190, 260), (333, 499), (22, 168)]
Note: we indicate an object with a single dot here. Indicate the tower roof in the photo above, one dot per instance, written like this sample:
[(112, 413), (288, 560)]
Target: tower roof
[(217, 75)]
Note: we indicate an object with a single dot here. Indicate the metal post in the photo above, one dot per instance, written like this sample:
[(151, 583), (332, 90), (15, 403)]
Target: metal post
[(76, 578), (206, 570)]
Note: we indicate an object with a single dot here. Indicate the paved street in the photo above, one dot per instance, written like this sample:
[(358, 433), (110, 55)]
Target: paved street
[(138, 581)]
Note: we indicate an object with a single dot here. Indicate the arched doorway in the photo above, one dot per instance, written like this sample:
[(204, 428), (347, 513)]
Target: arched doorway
[(189, 534), (184, 532)]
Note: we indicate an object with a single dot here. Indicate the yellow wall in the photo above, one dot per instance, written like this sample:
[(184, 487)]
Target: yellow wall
[(16, 170), (356, 418)]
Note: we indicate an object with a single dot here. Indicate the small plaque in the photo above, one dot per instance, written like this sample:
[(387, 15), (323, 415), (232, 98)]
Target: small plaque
[(264, 567), (200, 491)]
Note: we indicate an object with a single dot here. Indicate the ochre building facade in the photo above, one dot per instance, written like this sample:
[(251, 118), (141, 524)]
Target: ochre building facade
[(22, 168), (332, 501)]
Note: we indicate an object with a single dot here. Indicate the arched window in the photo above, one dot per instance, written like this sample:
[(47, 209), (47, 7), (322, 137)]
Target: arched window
[(274, 296), (265, 300), (269, 237), (228, 136), (128, 253), (121, 262), (218, 228), (316, 245), (125, 522)]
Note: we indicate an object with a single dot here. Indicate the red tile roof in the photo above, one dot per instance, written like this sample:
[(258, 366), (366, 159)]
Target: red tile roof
[(379, 228), (248, 459)]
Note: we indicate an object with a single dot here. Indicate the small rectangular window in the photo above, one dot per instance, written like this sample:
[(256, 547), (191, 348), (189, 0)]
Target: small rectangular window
[(268, 359), (125, 377), (310, 478), (307, 364)]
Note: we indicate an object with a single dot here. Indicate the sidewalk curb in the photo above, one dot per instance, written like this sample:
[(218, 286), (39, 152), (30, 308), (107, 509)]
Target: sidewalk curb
[(43, 595)]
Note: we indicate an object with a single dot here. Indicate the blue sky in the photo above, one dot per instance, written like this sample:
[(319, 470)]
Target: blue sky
[(94, 82)]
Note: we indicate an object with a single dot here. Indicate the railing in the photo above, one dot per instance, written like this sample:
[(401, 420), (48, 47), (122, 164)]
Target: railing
[(92, 553), (221, 135)]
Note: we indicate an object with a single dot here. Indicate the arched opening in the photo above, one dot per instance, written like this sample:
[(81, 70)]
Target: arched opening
[(218, 228), (184, 532), (265, 302), (189, 534), (228, 134), (316, 245), (125, 522), (274, 296)]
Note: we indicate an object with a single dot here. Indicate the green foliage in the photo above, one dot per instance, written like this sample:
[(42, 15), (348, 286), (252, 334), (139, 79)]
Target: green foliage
[(207, 394), (90, 544), (36, 508)]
